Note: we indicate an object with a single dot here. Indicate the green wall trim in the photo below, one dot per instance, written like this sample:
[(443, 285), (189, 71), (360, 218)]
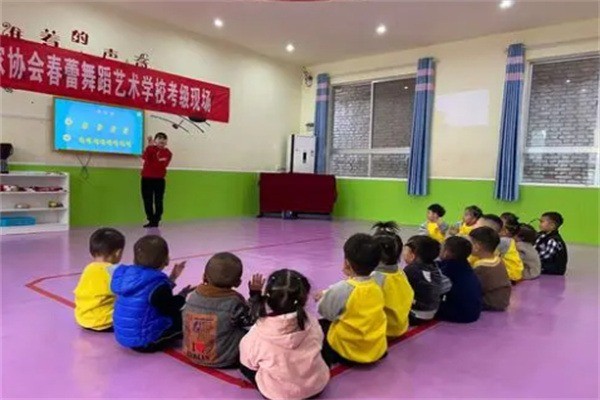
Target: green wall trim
[(111, 196), (368, 199)]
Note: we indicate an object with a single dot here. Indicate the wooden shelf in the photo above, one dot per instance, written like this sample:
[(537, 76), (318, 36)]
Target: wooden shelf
[(37, 228), (33, 209), (26, 174), (33, 193), (48, 219)]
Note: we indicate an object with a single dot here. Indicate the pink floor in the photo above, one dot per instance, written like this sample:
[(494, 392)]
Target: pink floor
[(546, 345)]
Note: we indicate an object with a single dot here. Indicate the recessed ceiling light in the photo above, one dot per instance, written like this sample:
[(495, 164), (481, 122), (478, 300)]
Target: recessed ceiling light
[(218, 22), (290, 48), (568, 81), (504, 4), (405, 87), (381, 29)]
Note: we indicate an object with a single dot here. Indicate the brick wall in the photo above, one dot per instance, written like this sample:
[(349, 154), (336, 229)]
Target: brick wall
[(564, 104), (351, 116), (389, 165), (392, 126), (566, 168), (393, 104), (349, 165), (563, 112)]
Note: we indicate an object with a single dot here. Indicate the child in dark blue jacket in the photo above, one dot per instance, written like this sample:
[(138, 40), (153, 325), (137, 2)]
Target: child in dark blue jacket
[(147, 315), (463, 302)]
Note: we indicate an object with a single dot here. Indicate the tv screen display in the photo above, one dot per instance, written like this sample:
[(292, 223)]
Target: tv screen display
[(98, 128)]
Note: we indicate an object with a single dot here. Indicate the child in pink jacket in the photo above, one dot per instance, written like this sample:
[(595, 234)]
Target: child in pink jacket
[(281, 354)]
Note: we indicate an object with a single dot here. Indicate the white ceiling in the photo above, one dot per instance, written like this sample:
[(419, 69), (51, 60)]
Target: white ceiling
[(324, 31)]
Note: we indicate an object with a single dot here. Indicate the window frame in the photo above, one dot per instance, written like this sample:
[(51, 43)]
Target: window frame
[(370, 151), (524, 125)]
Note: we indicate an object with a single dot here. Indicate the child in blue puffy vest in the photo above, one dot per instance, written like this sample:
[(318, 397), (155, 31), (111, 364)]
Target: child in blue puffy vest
[(147, 315)]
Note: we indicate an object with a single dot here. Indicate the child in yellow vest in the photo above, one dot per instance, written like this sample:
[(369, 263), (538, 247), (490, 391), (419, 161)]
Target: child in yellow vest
[(435, 227), (397, 291), (354, 321), (464, 227), (507, 249), (94, 301)]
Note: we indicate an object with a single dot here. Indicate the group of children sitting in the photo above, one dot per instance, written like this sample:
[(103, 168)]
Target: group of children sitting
[(452, 274)]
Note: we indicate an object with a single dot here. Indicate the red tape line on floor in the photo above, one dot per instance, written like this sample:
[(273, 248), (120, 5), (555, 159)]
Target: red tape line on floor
[(242, 383), (338, 369)]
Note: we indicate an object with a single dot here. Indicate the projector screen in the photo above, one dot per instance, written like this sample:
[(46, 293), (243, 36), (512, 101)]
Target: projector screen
[(98, 128)]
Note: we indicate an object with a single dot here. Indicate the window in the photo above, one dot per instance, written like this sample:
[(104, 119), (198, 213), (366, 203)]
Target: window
[(561, 143), (371, 128)]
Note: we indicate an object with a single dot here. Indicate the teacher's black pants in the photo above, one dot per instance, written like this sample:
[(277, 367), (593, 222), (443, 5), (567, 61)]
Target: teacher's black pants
[(153, 192)]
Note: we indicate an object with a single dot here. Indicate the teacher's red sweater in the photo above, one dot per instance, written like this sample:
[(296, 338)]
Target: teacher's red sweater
[(156, 161)]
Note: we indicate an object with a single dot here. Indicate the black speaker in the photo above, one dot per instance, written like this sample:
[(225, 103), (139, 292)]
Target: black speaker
[(194, 118), (6, 150)]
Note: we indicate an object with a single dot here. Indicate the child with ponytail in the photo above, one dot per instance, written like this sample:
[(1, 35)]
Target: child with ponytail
[(397, 291), (281, 354), (508, 246)]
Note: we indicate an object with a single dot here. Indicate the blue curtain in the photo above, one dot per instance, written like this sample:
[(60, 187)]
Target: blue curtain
[(418, 164), (321, 118), (507, 170)]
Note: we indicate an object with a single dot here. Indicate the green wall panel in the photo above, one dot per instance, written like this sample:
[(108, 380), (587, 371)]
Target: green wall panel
[(111, 196), (386, 199)]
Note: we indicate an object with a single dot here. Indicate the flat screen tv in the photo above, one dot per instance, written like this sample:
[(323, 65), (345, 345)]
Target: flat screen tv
[(92, 127)]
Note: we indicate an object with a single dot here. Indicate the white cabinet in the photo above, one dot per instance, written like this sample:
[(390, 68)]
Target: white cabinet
[(41, 203), (301, 154)]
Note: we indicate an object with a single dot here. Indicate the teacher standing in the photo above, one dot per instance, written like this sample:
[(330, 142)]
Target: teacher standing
[(156, 159)]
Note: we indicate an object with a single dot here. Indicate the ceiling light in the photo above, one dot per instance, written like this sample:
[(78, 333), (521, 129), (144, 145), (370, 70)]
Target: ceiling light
[(290, 48), (504, 4), (405, 87), (218, 22), (568, 81), (381, 29)]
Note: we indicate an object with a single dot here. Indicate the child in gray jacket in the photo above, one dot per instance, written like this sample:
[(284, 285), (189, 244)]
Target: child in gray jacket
[(216, 317), (525, 239)]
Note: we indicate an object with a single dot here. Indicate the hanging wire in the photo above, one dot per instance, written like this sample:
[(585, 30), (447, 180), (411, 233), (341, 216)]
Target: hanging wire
[(84, 173)]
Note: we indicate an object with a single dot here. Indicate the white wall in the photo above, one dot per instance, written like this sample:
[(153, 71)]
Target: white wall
[(265, 94), (471, 65)]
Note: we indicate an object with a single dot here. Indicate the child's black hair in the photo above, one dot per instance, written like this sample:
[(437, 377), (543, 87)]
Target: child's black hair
[(425, 248), (224, 270), (362, 253), (105, 242), (437, 209), (510, 223), (386, 228), (475, 211), (527, 233), (486, 237), (161, 135), (151, 251), (286, 291), (495, 220), (554, 217), (386, 235), (459, 248)]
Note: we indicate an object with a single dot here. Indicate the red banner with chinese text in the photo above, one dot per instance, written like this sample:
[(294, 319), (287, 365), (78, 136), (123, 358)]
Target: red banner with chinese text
[(41, 68)]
